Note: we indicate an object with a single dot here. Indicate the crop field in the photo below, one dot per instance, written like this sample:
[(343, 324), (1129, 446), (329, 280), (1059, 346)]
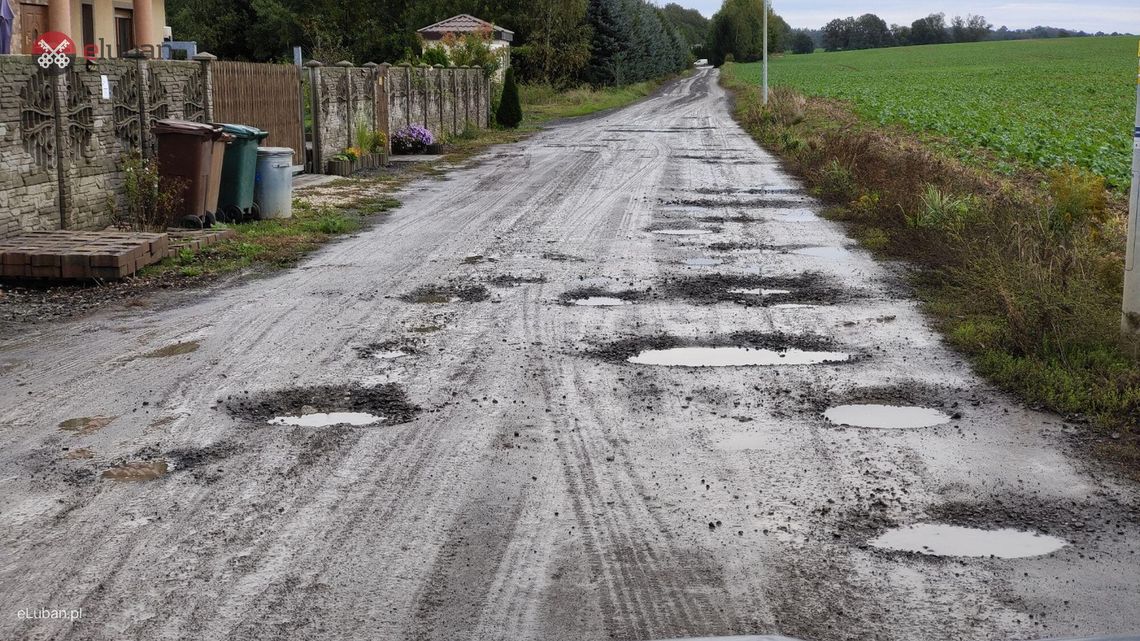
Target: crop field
[(1043, 102)]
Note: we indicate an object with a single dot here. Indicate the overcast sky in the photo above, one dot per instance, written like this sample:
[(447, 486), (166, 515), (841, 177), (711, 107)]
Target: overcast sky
[(1091, 16)]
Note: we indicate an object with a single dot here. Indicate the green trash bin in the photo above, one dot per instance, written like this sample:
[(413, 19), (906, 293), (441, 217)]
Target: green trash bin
[(235, 201)]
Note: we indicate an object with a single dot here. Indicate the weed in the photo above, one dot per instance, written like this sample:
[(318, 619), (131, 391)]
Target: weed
[(835, 182)]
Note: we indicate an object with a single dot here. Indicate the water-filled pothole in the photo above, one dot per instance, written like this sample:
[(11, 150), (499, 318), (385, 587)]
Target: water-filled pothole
[(888, 417), (328, 419), (934, 539), (600, 301), (514, 280), (327, 405), (682, 231), (741, 349), (386, 350), (734, 357), (753, 289)]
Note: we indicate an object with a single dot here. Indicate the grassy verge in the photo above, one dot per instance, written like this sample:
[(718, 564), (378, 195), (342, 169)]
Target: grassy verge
[(1022, 273), (317, 219), (543, 102)]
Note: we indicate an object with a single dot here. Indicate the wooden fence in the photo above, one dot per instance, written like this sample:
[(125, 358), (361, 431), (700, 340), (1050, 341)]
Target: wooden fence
[(262, 95)]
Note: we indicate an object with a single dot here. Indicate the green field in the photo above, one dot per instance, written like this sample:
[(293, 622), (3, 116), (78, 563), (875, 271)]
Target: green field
[(1045, 102)]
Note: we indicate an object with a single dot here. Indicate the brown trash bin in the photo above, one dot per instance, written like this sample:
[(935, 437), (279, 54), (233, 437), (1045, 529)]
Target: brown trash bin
[(215, 185), (185, 154)]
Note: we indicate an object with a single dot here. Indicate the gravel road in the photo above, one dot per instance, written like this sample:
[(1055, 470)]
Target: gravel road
[(527, 481)]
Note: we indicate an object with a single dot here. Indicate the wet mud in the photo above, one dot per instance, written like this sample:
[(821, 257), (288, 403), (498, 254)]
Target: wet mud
[(808, 288), (621, 351), (442, 294)]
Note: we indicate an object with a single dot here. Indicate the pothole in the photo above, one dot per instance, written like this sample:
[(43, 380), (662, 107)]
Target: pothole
[(436, 295), (742, 349), (682, 231), (703, 262), (933, 539), (734, 357), (752, 289), (326, 405), (730, 203), (599, 297), (327, 419), (386, 350), (177, 349), (887, 417), (86, 424), (137, 471), (514, 280)]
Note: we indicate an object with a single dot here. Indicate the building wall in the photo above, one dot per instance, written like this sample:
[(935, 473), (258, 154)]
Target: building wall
[(104, 20)]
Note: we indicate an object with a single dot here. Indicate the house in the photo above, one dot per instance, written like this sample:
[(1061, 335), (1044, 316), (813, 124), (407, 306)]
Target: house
[(101, 28), (442, 33)]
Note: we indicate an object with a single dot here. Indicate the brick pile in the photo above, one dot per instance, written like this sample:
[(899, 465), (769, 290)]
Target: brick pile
[(80, 255)]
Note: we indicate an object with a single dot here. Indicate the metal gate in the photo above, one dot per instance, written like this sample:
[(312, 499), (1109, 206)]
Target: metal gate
[(263, 95)]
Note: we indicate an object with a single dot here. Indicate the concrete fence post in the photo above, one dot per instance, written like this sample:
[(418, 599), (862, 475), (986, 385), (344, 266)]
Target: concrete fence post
[(207, 60), (315, 98), (346, 67), (384, 103)]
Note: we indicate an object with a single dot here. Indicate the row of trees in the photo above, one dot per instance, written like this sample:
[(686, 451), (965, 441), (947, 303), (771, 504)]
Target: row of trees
[(737, 30), (869, 31), (561, 42)]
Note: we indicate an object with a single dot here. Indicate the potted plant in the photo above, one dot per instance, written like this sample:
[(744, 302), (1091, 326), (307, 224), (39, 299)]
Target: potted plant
[(413, 139), (344, 163)]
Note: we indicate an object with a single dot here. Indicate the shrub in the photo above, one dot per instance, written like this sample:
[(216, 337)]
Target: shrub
[(412, 139), (435, 56), (150, 198), (509, 113), (942, 212), (1078, 198)]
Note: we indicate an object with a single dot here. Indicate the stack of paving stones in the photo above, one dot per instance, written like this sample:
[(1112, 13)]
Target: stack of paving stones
[(104, 255), (195, 239)]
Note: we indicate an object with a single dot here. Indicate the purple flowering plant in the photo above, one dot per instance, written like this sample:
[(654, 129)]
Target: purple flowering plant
[(411, 139)]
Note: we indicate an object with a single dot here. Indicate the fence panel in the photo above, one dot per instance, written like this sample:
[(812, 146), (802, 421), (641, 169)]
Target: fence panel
[(263, 95)]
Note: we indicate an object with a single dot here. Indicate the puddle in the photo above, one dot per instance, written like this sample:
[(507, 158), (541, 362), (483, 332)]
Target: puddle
[(139, 471), (823, 252), (887, 417), (733, 357), (682, 232), (600, 301), (387, 356), (953, 540), (760, 292), (426, 329), (703, 262), (513, 280), (79, 454), (86, 424), (793, 306), (178, 349), (319, 419)]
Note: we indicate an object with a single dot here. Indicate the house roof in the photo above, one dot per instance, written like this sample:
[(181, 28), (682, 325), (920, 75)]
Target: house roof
[(466, 23)]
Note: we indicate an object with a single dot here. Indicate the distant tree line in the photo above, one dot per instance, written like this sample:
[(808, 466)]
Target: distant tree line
[(869, 31), (736, 31), (561, 42)]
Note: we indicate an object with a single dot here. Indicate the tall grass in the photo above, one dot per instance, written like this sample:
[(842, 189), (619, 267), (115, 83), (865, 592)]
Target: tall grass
[(1023, 273)]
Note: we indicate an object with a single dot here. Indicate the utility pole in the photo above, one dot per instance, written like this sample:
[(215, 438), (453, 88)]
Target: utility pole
[(765, 52), (1130, 322)]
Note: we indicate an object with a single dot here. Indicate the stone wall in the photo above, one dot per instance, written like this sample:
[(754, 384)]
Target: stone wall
[(387, 98), (63, 136)]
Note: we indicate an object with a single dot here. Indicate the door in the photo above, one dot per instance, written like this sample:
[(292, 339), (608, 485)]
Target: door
[(33, 24)]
